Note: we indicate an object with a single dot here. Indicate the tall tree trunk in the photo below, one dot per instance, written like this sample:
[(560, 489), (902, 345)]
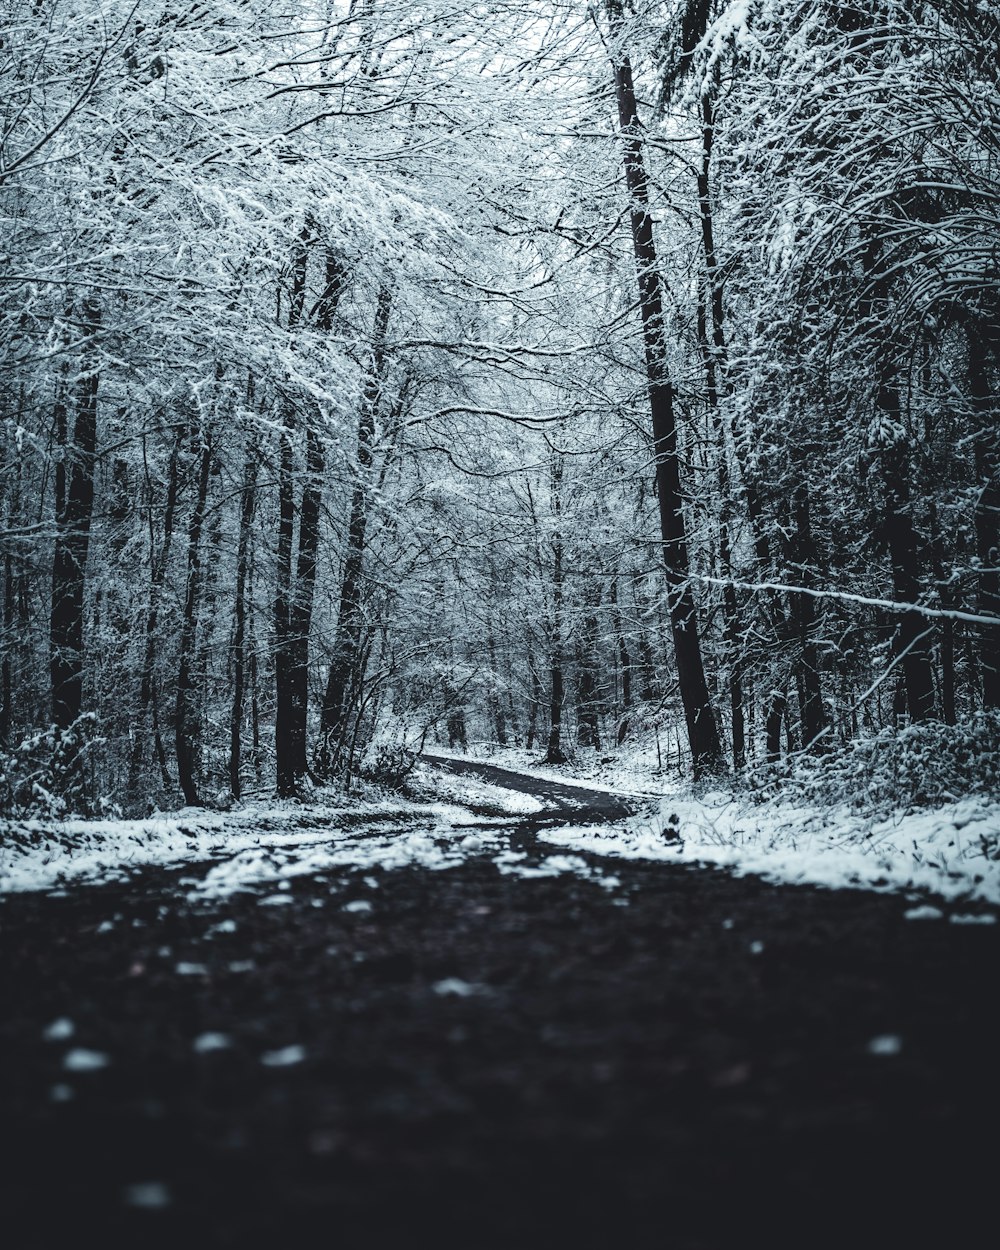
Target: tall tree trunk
[(345, 660), (537, 695), (494, 698), (588, 730), (149, 686), (912, 638), (554, 752), (702, 730), (624, 666), (187, 722), (813, 711), (11, 586), (239, 648), (74, 489), (987, 517), (776, 705), (288, 710)]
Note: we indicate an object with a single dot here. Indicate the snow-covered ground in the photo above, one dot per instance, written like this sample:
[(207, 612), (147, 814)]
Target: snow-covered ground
[(632, 771), (950, 852), (38, 855)]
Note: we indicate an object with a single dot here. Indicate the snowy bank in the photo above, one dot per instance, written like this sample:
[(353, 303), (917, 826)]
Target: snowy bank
[(43, 855), (951, 851)]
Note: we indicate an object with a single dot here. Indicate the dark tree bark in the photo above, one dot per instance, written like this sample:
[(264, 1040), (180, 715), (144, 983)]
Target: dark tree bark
[(297, 581), (288, 711), (537, 697), (588, 729), (187, 721), (772, 725), (912, 639), (74, 492), (702, 730), (624, 667), (149, 686), (557, 694), (987, 516), (493, 698), (813, 711), (239, 649), (344, 676)]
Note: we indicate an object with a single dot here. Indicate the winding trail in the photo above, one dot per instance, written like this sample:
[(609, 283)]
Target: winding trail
[(579, 803), (655, 1056)]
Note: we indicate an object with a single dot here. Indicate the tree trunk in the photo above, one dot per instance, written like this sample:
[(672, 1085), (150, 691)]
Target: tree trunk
[(149, 691), (239, 627), (772, 726), (74, 490), (288, 710), (187, 723), (284, 708), (554, 752), (588, 731), (987, 518), (625, 667), (345, 659), (813, 711), (912, 638), (702, 730)]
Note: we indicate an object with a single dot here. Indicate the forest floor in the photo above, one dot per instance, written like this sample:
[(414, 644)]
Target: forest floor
[(346, 1042)]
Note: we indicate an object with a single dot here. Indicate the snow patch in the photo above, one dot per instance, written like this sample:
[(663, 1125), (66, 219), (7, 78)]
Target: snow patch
[(284, 1057), (151, 1195), (82, 1060), (885, 1044), (205, 1043), (456, 987), (59, 1030), (944, 850)]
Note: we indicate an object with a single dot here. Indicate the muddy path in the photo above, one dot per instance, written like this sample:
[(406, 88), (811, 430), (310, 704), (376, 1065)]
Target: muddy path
[(564, 803), (662, 1057)]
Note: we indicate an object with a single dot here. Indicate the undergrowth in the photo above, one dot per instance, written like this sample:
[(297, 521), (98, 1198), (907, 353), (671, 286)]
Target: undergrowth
[(917, 766)]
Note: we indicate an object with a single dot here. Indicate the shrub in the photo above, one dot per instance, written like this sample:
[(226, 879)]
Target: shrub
[(47, 774), (917, 766)]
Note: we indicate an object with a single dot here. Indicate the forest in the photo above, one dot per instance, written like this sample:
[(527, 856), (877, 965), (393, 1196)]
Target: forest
[(387, 372), (499, 624)]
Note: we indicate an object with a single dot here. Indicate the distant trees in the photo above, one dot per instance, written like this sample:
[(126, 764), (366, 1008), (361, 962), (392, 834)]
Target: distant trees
[(548, 375)]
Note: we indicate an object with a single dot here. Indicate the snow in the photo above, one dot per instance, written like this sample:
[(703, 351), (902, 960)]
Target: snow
[(924, 912), (473, 791), (945, 851), (283, 1058), (59, 1030), (455, 987), (626, 776), (81, 1060), (40, 855), (148, 1194), (205, 1043), (885, 1044)]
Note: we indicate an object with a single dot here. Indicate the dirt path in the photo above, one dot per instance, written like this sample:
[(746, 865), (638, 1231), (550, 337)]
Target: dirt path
[(683, 1060), (565, 802)]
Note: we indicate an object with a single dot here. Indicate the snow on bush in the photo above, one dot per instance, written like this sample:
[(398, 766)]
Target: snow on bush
[(919, 765)]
